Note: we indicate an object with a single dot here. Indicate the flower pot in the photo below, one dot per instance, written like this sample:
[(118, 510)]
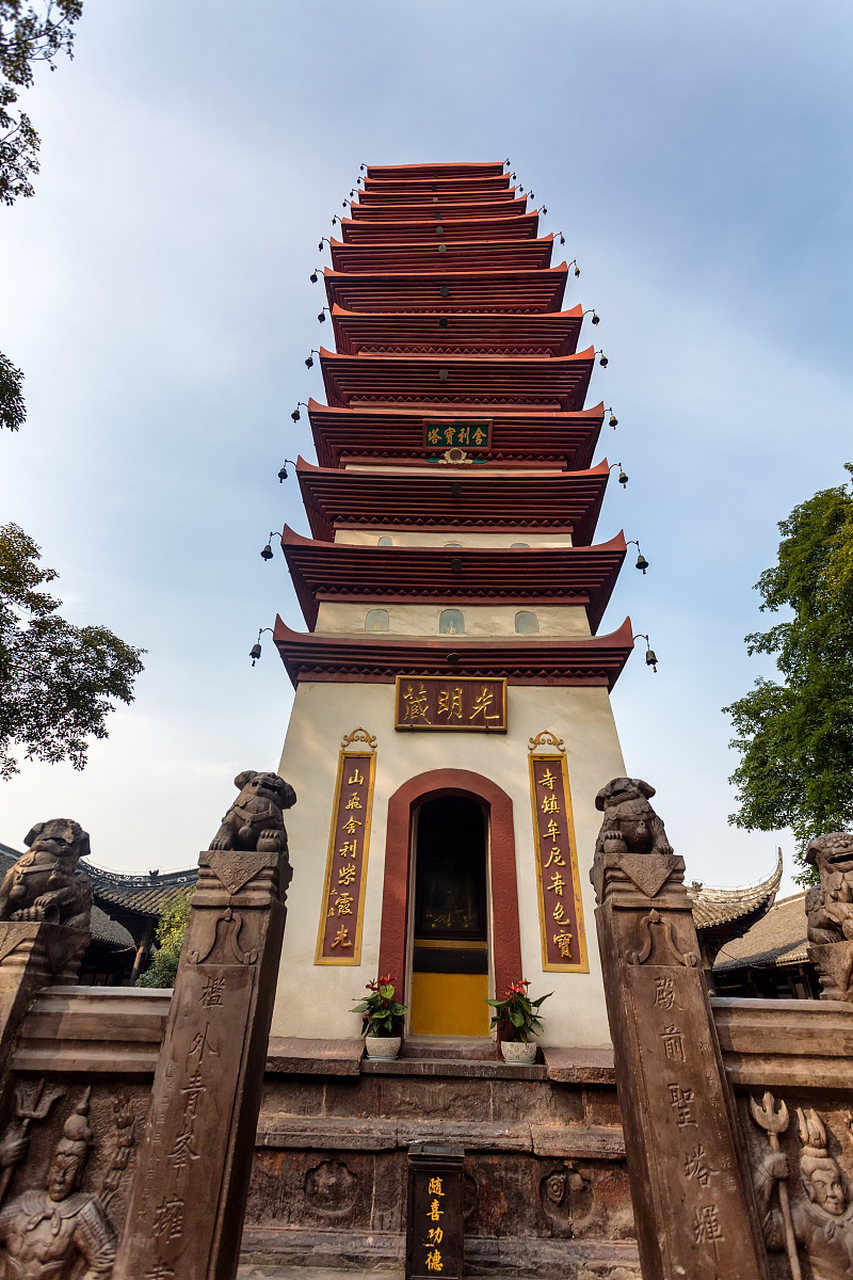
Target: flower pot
[(517, 1051), (386, 1047)]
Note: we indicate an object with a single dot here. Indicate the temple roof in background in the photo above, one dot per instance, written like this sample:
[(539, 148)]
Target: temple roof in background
[(777, 939)]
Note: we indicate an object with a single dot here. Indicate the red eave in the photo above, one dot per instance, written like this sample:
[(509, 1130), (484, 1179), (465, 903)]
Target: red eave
[(524, 660), (484, 384), (387, 436), (486, 255), (386, 174), (515, 292), (478, 499), (499, 204), (404, 333), (436, 230), (340, 571)]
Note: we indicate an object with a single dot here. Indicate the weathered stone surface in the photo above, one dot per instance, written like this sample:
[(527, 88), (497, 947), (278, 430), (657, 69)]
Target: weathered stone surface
[(475, 1069), (187, 1206), (575, 1142), (689, 1179), (579, 1066), (792, 1044), (290, 1054)]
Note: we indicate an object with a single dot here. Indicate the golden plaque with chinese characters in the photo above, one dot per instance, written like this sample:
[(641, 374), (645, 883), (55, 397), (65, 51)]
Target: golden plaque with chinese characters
[(466, 702), (339, 937), (558, 885), (447, 433)]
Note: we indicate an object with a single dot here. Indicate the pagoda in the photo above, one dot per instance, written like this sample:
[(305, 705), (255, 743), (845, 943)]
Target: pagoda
[(452, 722)]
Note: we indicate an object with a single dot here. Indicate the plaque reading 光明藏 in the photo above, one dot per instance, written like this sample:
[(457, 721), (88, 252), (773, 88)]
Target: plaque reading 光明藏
[(450, 433), (558, 887), (342, 907), (466, 702)]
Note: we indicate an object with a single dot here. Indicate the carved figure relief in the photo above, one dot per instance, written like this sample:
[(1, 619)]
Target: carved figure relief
[(44, 884), (814, 1215), (254, 823), (58, 1231), (330, 1188), (566, 1198)]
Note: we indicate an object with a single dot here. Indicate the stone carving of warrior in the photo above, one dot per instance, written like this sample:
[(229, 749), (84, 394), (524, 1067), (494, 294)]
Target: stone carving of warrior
[(51, 1234), (823, 1218)]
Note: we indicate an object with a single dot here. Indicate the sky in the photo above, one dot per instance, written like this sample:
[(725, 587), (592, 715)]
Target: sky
[(155, 291)]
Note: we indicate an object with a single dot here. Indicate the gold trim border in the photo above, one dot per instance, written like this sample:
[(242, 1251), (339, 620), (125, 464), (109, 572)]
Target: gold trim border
[(583, 965), (355, 958)]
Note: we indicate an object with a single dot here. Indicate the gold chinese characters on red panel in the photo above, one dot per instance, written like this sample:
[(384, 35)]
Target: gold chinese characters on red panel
[(464, 703), (558, 886), (342, 908)]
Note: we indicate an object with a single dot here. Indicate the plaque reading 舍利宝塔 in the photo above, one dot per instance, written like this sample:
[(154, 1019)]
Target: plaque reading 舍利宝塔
[(466, 702), (558, 886), (342, 906), (455, 433)]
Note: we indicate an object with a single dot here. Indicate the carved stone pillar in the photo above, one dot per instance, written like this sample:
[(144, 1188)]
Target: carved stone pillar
[(689, 1184), (185, 1216), (32, 955)]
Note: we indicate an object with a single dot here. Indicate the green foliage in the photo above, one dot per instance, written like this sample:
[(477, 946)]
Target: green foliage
[(57, 681), (28, 34), (517, 1016), (12, 408), (381, 1015), (169, 937), (796, 737)]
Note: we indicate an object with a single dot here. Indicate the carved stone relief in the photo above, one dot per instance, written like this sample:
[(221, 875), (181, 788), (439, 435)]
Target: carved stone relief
[(566, 1199), (802, 1186), (254, 823), (56, 1230), (829, 910), (330, 1188), (44, 884)]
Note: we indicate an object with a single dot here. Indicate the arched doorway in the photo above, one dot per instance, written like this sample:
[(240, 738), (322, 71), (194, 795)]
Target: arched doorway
[(404, 810), (450, 944)]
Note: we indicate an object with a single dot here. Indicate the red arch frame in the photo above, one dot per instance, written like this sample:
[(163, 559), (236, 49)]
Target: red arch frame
[(506, 931)]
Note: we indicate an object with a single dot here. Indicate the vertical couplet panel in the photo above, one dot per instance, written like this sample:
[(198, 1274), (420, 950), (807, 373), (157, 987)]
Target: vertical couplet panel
[(557, 881), (342, 906)]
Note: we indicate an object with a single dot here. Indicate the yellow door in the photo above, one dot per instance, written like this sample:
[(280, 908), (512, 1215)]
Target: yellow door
[(450, 978)]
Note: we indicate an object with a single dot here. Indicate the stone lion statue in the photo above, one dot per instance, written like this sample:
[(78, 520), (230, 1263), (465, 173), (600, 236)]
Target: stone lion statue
[(44, 884), (254, 822), (629, 818), (829, 908)]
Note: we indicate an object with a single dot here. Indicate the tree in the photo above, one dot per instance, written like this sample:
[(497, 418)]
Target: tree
[(169, 936), (28, 34), (57, 681), (13, 411), (796, 737)]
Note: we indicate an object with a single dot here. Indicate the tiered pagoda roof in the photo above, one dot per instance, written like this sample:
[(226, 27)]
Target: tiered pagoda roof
[(455, 405)]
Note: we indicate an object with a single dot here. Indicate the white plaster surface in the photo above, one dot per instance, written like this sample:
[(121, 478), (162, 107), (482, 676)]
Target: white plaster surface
[(313, 1000), (437, 537), (480, 619)]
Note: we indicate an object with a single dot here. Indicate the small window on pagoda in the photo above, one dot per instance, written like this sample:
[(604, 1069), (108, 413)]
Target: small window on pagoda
[(451, 623), (519, 544), (376, 620), (526, 624), (453, 544), (385, 541)]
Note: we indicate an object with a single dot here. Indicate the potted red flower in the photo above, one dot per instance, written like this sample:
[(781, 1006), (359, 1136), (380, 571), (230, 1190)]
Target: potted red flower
[(517, 1019), (381, 1019)]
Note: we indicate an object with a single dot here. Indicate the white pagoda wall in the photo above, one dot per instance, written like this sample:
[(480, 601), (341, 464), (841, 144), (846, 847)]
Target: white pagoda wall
[(313, 1000)]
